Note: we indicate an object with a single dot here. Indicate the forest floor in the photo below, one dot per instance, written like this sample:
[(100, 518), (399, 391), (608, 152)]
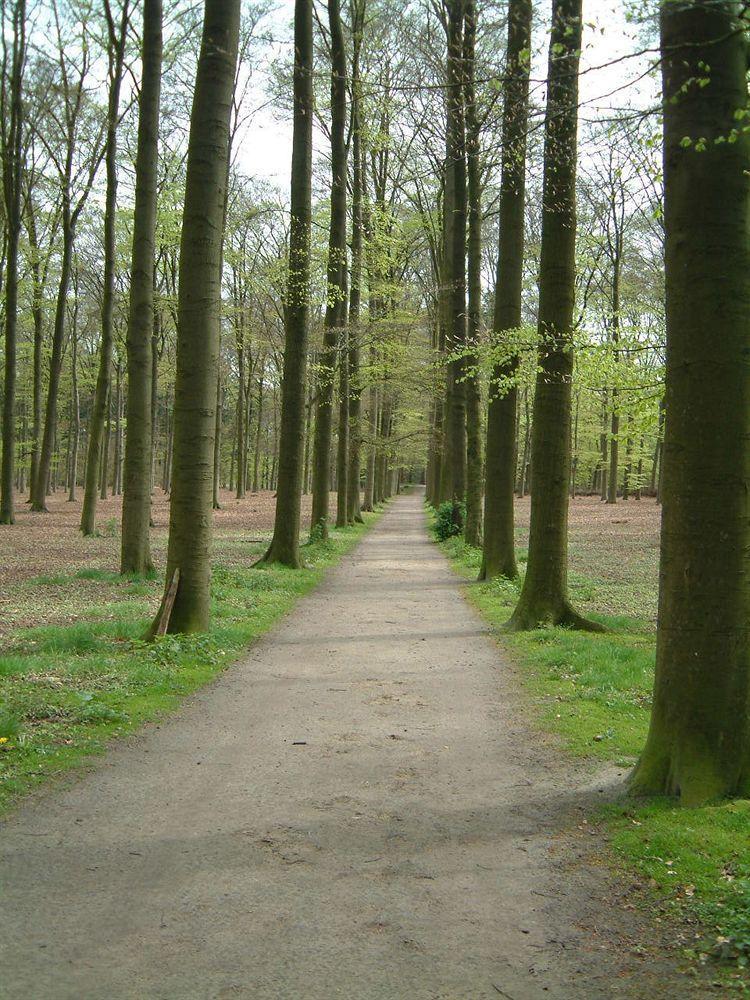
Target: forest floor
[(361, 807)]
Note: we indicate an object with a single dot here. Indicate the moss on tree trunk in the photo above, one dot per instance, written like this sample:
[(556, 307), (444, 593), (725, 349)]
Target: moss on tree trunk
[(199, 317), (284, 547), (698, 746), (544, 596), (498, 551)]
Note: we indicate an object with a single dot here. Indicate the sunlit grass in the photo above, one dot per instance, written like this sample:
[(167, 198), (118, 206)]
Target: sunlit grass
[(67, 690), (594, 691)]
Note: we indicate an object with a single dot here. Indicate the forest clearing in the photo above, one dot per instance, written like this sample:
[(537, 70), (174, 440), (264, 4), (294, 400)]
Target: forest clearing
[(374, 499)]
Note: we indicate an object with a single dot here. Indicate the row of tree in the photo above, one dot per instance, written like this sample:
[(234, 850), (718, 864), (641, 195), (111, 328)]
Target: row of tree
[(453, 287)]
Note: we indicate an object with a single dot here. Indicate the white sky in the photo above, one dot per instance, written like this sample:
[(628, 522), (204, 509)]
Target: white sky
[(266, 146)]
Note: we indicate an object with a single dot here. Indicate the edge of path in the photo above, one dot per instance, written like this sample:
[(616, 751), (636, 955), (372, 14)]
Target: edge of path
[(638, 919), (188, 663)]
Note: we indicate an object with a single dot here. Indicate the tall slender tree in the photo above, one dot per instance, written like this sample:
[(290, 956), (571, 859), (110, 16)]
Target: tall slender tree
[(199, 320), (453, 470), (544, 596), (117, 38), (284, 546), (473, 526), (76, 172), (336, 278), (135, 551), (11, 136), (698, 746), (498, 547)]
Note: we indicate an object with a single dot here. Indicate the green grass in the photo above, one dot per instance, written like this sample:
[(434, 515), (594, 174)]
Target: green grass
[(67, 690), (594, 691)]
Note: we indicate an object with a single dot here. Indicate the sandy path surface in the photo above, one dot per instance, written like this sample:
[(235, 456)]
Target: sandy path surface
[(356, 810)]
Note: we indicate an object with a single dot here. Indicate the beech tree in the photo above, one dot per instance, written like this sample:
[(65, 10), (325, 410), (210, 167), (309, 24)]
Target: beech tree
[(498, 551), (135, 555), (284, 547), (544, 596), (335, 314), (698, 746), (117, 37), (11, 141), (198, 322)]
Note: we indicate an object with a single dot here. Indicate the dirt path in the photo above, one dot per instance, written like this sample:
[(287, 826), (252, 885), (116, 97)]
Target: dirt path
[(355, 811)]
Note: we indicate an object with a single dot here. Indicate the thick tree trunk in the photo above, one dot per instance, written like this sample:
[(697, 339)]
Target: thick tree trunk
[(698, 746), (284, 546), (99, 412), (544, 596), (199, 319), (498, 552), (135, 552), (336, 279)]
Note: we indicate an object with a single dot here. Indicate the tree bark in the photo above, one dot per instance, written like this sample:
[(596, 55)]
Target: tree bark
[(199, 318), (336, 279), (473, 526), (284, 546), (99, 412), (454, 462), (135, 552), (498, 551), (12, 129), (698, 745), (544, 596)]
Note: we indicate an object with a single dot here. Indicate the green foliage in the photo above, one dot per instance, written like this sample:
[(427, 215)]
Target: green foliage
[(450, 518)]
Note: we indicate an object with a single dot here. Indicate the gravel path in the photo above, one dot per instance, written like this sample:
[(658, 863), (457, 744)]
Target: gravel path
[(357, 810)]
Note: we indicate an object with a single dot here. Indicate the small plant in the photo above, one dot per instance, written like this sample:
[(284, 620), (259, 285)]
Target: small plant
[(10, 725), (449, 519)]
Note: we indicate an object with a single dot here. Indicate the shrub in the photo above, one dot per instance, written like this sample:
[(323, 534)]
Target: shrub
[(449, 519)]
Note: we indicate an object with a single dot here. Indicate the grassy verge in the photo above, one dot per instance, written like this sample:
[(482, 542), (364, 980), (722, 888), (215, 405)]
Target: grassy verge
[(594, 691), (67, 690)]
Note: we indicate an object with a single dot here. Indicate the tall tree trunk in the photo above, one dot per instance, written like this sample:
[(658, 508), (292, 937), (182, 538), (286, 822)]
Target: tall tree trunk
[(11, 134), (284, 546), (241, 410), (544, 596), (135, 551), (342, 451), (473, 527), (99, 412), (698, 746), (259, 428), (199, 319), (353, 512), (37, 313), (75, 402), (614, 446), (498, 552), (104, 459), (336, 279), (454, 464), (217, 443)]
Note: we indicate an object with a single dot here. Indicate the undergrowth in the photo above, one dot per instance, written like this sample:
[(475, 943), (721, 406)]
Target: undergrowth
[(594, 691), (66, 690)]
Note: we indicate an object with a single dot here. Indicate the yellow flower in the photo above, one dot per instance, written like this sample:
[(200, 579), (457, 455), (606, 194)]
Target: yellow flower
[(3, 739)]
